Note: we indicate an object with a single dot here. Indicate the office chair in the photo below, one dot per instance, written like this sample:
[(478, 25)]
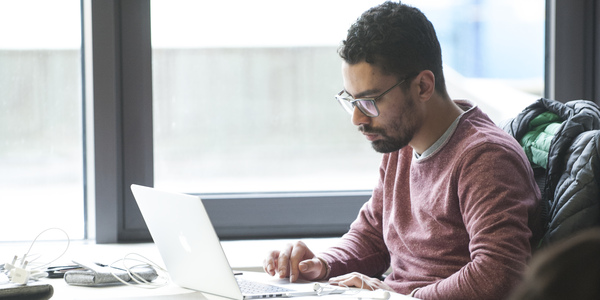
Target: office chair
[(570, 180)]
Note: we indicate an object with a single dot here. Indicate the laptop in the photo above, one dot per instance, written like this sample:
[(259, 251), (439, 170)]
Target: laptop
[(191, 250)]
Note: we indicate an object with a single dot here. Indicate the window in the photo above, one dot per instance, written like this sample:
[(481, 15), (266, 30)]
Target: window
[(41, 152), (243, 90), (243, 98)]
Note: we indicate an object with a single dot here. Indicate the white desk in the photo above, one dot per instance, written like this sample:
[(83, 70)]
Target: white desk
[(243, 255), (65, 291)]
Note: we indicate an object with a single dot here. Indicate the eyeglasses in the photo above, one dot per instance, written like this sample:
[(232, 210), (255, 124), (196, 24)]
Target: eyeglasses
[(366, 105)]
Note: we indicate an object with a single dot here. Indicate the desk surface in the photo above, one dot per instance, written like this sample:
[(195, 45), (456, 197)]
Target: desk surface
[(171, 291), (242, 255)]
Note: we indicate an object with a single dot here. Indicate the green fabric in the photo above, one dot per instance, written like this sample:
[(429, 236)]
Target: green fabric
[(536, 142)]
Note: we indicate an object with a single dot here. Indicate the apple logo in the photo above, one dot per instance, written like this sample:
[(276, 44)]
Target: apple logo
[(184, 242)]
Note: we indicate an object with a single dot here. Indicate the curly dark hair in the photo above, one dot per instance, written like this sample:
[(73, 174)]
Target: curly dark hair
[(399, 39)]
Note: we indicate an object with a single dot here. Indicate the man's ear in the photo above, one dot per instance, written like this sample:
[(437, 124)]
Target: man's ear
[(426, 83)]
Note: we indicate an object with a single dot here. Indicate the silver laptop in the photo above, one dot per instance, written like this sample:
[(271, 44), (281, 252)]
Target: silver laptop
[(191, 250)]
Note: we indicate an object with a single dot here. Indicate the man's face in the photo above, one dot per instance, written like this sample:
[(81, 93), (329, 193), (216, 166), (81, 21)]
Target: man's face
[(399, 117)]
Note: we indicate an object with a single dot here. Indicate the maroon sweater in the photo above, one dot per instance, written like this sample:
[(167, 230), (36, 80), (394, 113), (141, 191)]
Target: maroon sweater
[(454, 224)]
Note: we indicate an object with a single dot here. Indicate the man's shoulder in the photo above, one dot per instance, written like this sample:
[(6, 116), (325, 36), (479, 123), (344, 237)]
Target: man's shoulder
[(476, 129), (478, 138)]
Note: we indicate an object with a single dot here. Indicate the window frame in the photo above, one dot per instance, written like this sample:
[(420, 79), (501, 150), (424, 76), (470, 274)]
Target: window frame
[(122, 116), (122, 135), (572, 64)]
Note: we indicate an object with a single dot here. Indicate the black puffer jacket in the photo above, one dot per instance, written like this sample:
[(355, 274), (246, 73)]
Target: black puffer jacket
[(570, 186)]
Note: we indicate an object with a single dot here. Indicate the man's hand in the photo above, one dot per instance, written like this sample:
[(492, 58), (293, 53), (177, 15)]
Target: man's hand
[(295, 261), (358, 280)]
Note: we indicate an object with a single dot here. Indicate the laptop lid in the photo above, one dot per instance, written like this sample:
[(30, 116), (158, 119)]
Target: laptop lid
[(187, 242)]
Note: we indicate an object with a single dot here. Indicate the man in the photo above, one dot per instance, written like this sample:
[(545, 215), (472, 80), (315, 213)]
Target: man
[(451, 210)]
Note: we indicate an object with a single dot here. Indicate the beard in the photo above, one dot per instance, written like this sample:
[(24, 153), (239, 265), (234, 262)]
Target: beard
[(386, 143), (399, 133)]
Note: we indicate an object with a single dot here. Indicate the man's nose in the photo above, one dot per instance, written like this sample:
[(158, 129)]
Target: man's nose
[(359, 118)]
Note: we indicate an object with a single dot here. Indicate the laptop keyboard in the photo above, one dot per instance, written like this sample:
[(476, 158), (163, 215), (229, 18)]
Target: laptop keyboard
[(252, 287)]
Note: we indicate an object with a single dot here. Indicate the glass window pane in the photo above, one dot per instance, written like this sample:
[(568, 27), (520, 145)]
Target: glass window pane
[(243, 90), (41, 157), (493, 51)]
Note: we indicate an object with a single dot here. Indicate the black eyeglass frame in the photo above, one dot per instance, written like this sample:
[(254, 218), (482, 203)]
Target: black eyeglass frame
[(370, 100)]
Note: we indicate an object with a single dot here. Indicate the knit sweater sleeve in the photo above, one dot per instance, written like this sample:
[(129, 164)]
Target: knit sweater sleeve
[(362, 249)]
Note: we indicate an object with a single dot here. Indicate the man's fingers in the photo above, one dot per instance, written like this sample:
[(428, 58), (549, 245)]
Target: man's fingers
[(286, 262), (348, 281), (297, 255), (283, 261), (358, 280), (312, 269), (270, 263)]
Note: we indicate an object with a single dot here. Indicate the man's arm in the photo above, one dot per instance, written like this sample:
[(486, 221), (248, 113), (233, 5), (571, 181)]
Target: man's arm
[(363, 248), (360, 250)]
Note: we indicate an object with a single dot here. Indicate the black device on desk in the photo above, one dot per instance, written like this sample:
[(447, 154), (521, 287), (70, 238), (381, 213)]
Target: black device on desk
[(32, 291), (59, 271)]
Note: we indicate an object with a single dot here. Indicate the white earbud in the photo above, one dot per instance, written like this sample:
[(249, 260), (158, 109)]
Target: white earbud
[(316, 287)]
